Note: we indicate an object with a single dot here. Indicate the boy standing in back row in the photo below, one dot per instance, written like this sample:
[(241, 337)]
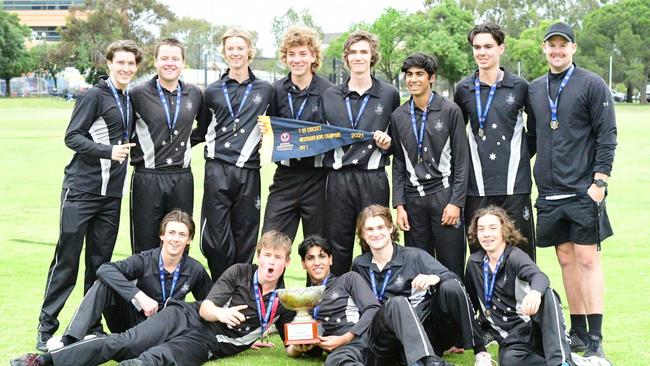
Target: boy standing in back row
[(493, 101), (98, 134)]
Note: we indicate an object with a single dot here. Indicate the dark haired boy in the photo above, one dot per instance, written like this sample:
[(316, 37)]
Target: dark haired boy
[(430, 166), (500, 142), (356, 329), (165, 109), (99, 135)]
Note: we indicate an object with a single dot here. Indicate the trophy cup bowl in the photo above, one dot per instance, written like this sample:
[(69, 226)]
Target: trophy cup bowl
[(303, 329)]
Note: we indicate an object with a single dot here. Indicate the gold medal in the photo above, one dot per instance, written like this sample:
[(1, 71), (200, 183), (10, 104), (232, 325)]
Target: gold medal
[(488, 312), (481, 132), (555, 124)]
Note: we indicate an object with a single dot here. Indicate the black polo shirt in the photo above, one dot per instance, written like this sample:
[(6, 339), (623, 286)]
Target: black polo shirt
[(444, 153), (348, 305), (235, 287), (143, 268), (517, 275), (311, 96), (500, 160), (95, 126), (225, 140), (156, 146), (585, 140), (405, 265), (382, 101)]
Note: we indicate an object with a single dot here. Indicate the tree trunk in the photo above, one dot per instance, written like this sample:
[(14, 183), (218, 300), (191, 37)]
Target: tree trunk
[(8, 88)]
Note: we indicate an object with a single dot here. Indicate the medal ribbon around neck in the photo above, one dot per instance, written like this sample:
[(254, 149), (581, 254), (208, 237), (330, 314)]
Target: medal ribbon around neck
[(171, 125), (317, 308), (300, 109), (265, 313), (553, 103), (419, 137), (234, 116), (118, 101), (482, 114), (354, 122), (488, 283), (161, 269), (373, 284)]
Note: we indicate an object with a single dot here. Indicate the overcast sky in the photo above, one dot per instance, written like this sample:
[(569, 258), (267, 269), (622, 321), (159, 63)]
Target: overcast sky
[(332, 15)]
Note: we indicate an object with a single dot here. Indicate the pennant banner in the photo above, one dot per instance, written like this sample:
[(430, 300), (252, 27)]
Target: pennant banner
[(291, 138)]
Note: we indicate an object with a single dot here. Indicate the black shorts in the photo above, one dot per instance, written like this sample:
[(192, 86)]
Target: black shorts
[(577, 219)]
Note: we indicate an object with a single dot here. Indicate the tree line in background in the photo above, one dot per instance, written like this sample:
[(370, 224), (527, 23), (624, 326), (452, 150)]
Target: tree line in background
[(603, 29)]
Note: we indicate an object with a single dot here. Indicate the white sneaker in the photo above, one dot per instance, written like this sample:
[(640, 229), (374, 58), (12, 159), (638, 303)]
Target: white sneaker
[(54, 343), (484, 359)]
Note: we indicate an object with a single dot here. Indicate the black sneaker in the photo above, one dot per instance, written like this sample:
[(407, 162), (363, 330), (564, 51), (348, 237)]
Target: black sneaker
[(576, 343), (29, 359), (595, 347), (41, 341)]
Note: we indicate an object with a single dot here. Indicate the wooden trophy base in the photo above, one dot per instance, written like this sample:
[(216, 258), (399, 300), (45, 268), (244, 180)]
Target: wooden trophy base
[(302, 332)]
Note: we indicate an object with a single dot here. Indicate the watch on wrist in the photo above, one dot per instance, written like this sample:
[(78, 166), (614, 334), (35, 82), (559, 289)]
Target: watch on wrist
[(600, 183)]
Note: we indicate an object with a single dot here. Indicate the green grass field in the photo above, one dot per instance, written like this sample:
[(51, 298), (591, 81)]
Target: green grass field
[(33, 157)]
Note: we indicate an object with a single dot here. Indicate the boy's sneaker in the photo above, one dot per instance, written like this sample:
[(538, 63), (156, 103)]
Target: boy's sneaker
[(594, 347), (576, 343), (484, 359), (29, 359), (41, 341)]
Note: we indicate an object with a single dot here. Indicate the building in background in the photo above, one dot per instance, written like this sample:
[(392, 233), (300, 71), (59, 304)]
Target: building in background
[(42, 16)]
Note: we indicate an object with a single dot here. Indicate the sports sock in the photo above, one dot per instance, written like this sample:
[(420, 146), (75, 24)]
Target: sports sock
[(595, 324), (579, 325), (479, 348)]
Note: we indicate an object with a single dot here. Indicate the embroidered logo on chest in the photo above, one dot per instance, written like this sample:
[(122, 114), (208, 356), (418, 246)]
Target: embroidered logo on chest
[(379, 109), (399, 280), (314, 108), (186, 287), (257, 99), (335, 295), (438, 125), (510, 99), (188, 105)]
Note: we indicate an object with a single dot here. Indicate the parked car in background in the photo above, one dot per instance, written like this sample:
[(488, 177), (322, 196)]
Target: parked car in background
[(618, 96)]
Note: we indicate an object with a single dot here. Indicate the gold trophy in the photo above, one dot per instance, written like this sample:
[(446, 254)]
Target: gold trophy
[(303, 329)]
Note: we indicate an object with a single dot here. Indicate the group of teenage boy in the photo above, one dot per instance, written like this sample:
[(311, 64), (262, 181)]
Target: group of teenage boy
[(459, 167)]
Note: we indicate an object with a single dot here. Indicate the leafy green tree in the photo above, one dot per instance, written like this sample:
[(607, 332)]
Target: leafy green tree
[(527, 50), (197, 36), (442, 30), (391, 29), (50, 59), (89, 30), (14, 59), (292, 17), (619, 30), (516, 16), (279, 28)]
